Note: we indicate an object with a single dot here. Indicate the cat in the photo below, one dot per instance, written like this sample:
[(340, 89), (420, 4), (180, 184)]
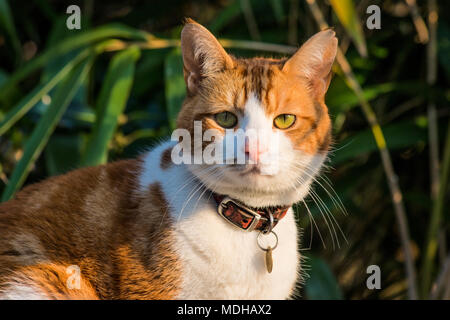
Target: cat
[(148, 228)]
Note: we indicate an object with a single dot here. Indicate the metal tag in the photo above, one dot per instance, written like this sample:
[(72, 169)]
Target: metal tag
[(269, 259)]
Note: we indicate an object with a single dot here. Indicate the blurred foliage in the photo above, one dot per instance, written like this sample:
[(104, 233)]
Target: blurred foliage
[(70, 98)]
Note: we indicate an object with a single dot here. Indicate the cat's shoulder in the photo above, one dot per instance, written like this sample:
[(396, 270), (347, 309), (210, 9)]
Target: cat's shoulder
[(118, 179)]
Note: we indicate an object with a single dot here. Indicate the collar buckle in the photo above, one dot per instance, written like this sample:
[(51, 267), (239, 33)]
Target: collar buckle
[(223, 210)]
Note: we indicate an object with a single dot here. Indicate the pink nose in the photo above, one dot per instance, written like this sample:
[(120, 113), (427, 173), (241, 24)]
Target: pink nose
[(254, 150)]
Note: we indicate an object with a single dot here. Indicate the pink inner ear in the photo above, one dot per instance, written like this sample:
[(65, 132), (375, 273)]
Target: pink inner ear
[(202, 54), (314, 59), (192, 81)]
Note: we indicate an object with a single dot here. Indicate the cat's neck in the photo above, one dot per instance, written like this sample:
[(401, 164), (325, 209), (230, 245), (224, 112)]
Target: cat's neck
[(260, 199)]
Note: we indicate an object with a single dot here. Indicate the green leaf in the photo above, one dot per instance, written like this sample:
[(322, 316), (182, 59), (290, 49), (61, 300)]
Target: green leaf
[(346, 13), (46, 125), (47, 9), (278, 11), (63, 153), (111, 104), (443, 35), (151, 66), (225, 16), (77, 41), (34, 96), (399, 135), (59, 33), (3, 77), (343, 99), (7, 24), (175, 86), (322, 284)]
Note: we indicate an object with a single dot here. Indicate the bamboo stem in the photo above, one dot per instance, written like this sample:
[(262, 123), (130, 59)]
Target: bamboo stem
[(259, 46), (433, 229), (441, 280), (293, 22), (420, 25), (157, 43), (436, 217), (250, 20), (392, 179), (431, 80)]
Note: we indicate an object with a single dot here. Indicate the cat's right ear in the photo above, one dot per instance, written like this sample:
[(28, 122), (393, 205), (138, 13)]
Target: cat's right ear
[(202, 55)]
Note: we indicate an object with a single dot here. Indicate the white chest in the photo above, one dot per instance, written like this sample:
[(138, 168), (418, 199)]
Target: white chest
[(218, 260), (223, 262)]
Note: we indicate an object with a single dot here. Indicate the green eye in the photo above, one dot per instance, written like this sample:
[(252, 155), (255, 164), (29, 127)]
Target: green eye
[(226, 119), (284, 121)]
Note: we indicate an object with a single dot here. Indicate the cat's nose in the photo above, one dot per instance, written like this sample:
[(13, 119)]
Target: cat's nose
[(254, 150)]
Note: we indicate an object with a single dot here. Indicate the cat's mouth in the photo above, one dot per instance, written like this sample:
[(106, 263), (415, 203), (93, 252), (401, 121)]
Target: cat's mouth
[(253, 170)]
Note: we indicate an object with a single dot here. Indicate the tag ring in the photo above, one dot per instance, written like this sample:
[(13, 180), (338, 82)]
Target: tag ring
[(261, 247), (269, 228)]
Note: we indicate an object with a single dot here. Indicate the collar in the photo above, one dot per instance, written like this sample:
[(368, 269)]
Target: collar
[(247, 218)]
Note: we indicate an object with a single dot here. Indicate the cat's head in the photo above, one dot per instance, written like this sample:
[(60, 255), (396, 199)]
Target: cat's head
[(279, 103)]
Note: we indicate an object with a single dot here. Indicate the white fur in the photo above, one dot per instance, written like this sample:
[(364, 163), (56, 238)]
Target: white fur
[(21, 292), (220, 261), (287, 173)]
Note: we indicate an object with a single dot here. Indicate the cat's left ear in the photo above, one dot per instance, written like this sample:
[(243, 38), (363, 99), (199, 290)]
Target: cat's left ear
[(202, 55), (313, 61)]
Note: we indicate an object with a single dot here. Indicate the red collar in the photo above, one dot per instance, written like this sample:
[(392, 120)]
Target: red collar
[(247, 218)]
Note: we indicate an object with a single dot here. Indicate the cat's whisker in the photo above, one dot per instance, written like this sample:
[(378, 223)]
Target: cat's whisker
[(200, 176), (194, 190), (337, 203), (188, 182), (329, 215), (320, 204), (324, 215), (186, 202), (315, 224), (325, 218), (214, 171), (329, 212), (218, 180)]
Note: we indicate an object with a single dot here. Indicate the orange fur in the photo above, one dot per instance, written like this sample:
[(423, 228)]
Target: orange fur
[(280, 86), (122, 238), (95, 219)]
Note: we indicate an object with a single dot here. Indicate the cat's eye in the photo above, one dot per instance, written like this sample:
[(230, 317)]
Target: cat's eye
[(284, 121), (226, 119)]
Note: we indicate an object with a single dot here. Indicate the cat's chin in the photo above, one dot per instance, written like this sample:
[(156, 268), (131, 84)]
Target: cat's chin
[(256, 186), (257, 190), (265, 198)]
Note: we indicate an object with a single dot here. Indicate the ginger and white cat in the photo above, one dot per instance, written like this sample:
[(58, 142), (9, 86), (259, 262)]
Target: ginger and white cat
[(149, 228)]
